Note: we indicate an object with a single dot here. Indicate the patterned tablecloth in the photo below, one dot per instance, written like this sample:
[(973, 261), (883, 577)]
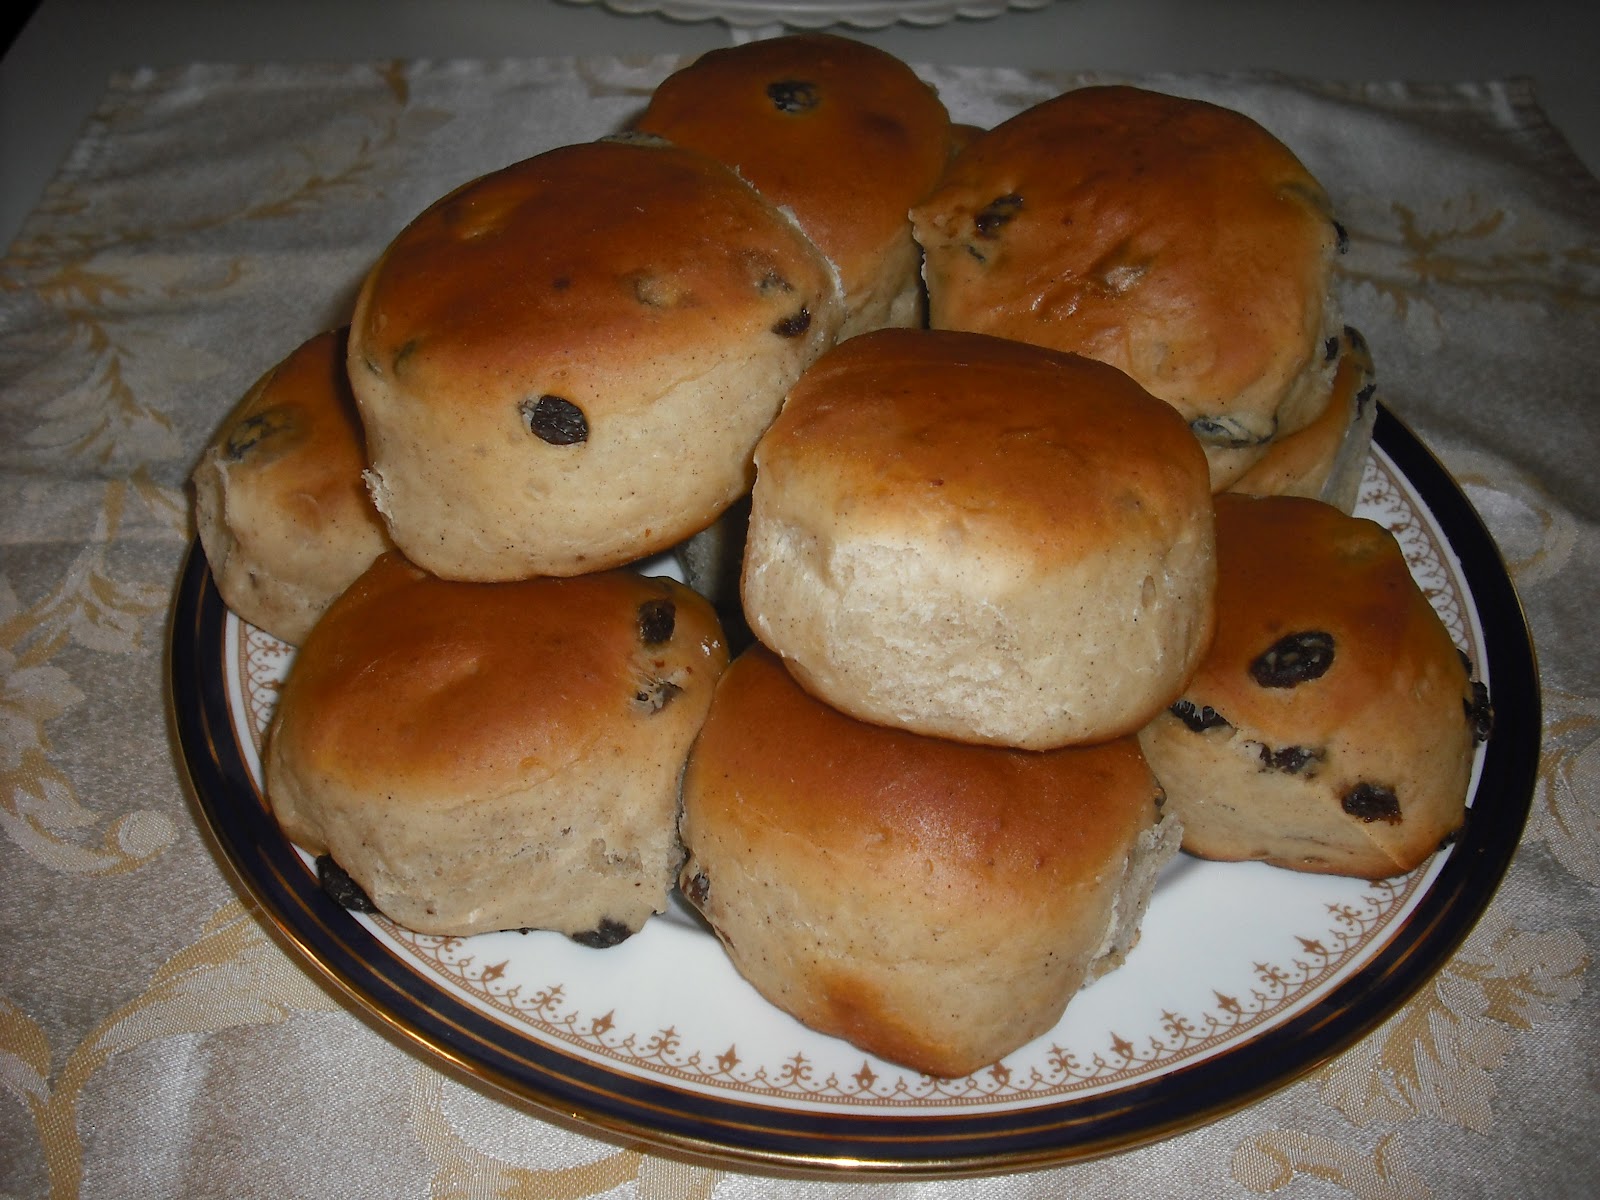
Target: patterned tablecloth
[(156, 1039)]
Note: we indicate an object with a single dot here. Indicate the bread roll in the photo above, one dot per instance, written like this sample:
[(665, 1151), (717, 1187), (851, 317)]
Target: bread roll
[(1331, 726), (564, 366), (842, 134), (981, 540), (1324, 461), (281, 511), (934, 903), (1174, 239), (497, 756)]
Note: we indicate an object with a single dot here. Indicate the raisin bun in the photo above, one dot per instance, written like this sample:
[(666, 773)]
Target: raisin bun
[(934, 903), (844, 135), (1175, 239), (497, 756), (282, 514), (563, 366), (978, 539), (1331, 727), (1324, 461)]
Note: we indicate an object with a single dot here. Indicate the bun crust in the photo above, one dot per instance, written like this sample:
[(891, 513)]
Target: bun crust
[(564, 365), (933, 903), (1330, 728), (1174, 239), (496, 756), (280, 508), (981, 540), (1324, 460), (842, 134)]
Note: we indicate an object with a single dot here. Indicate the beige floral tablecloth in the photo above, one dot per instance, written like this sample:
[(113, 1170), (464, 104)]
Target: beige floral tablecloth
[(156, 1040)]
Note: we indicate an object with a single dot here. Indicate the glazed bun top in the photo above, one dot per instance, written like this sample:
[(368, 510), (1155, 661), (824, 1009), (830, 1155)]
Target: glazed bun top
[(901, 816), (1323, 631), (1175, 239), (420, 686), (601, 273), (958, 444), (843, 134), (297, 433)]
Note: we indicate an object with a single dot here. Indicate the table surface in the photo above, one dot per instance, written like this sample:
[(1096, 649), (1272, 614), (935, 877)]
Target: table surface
[(156, 1040)]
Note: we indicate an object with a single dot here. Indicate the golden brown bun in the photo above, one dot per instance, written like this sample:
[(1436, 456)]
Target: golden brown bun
[(982, 540), (1330, 726), (842, 134), (1175, 239), (497, 756), (564, 366), (282, 513), (1324, 460), (932, 903)]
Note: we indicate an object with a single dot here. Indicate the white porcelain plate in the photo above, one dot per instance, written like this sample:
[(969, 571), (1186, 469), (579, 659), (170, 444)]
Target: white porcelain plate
[(816, 14), (1245, 976)]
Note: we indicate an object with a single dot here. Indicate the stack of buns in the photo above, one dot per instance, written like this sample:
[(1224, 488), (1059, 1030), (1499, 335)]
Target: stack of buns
[(968, 515)]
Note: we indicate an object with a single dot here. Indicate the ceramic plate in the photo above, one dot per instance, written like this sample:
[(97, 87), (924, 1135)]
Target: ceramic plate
[(1245, 976), (815, 14)]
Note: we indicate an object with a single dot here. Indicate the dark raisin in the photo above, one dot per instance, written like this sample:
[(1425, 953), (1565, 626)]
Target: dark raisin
[(794, 326), (656, 694), (1369, 802), (1295, 659), (1198, 719), (1291, 760), (607, 933), (407, 349), (1226, 431), (340, 888), (1342, 237), (253, 430), (554, 420), (1480, 713), (1449, 839), (996, 213), (793, 95), (1363, 396), (1330, 350), (656, 621), (697, 889), (763, 273)]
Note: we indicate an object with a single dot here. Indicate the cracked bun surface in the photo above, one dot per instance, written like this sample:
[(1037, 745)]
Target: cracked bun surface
[(281, 511), (497, 756), (982, 540), (843, 134), (1324, 460), (1332, 724), (564, 366), (1177, 240), (934, 903)]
